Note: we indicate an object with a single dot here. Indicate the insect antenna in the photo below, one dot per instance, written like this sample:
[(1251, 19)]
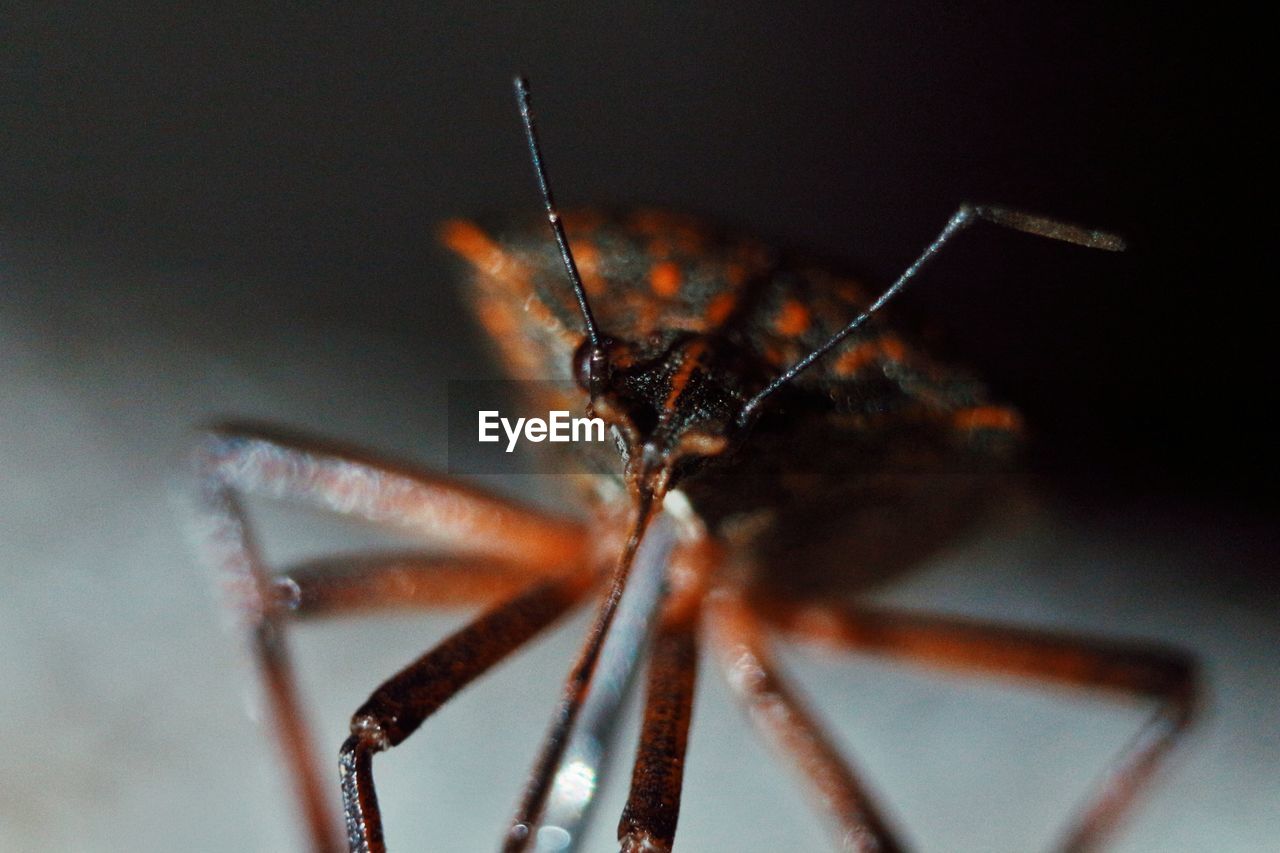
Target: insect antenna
[(553, 215), (967, 215)]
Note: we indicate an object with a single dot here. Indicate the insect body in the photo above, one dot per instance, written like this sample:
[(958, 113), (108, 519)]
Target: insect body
[(700, 321), (769, 399)]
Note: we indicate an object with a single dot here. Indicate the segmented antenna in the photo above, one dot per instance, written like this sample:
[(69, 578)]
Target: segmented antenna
[(553, 216), (964, 217)]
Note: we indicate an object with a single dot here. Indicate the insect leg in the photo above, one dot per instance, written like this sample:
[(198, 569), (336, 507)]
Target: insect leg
[(397, 708), (649, 820), (645, 552), (443, 511), (347, 584), (743, 649), (231, 463), (586, 756), (1165, 675)]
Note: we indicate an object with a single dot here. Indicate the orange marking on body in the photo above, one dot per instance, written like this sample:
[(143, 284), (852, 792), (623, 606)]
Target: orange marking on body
[(988, 417), (639, 311), (719, 309), (853, 360), (681, 377), (885, 349), (505, 292), (735, 274), (793, 319), (497, 320), (587, 257), (503, 325), (665, 279), (540, 313), (893, 349), (487, 256), (468, 240), (647, 321)]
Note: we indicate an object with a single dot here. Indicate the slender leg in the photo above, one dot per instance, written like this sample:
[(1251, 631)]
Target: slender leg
[(366, 582), (230, 463), (402, 703), (447, 513), (745, 657), (648, 823), (1165, 675), (586, 757), (657, 548), (230, 548)]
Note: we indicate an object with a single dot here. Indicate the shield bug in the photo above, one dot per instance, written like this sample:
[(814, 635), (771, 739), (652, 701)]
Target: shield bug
[(785, 423)]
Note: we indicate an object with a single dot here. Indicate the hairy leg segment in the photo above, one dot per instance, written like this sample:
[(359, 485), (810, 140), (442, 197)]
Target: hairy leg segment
[(526, 567), (1161, 676)]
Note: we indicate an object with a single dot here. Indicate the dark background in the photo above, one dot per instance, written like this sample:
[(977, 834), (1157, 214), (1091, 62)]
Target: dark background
[(228, 212)]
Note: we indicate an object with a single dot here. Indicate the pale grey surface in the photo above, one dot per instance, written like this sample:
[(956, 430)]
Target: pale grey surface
[(122, 715)]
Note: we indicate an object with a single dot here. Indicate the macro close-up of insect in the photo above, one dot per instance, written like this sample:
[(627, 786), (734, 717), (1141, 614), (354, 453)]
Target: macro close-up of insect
[(716, 364), (827, 427)]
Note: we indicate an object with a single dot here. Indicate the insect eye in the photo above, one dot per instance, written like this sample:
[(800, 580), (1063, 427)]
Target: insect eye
[(593, 365)]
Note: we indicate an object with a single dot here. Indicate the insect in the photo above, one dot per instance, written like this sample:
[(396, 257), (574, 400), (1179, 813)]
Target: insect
[(772, 426)]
